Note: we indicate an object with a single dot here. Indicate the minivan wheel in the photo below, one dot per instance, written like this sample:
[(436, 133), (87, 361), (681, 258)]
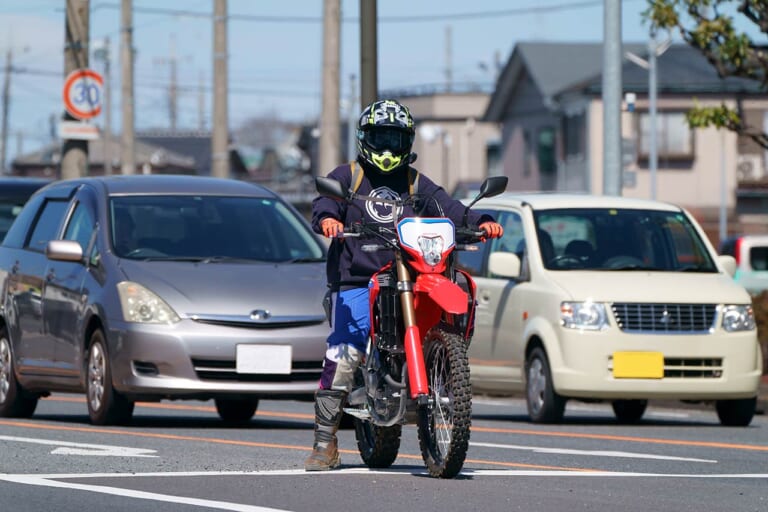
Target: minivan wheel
[(15, 402), (105, 405), (736, 413), (629, 411), (544, 404), (236, 411)]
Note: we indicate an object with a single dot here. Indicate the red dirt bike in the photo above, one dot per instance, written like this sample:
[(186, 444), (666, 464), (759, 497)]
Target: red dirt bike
[(416, 369)]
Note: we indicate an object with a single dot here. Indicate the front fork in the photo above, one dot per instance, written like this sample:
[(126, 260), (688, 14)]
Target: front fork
[(417, 373)]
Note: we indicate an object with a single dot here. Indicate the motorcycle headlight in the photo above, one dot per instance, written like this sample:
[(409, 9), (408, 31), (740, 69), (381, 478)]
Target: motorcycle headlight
[(583, 315), (143, 306), (738, 318), (432, 249)]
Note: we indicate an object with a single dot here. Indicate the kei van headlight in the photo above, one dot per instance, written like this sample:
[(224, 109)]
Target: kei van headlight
[(583, 315), (143, 306), (738, 318)]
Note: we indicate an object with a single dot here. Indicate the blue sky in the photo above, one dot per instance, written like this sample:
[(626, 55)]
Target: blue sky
[(275, 66)]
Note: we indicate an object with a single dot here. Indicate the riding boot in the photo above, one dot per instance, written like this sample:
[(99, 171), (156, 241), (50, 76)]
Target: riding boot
[(328, 412)]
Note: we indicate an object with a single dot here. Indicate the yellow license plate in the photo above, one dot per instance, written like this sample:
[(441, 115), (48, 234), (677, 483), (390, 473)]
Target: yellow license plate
[(638, 365)]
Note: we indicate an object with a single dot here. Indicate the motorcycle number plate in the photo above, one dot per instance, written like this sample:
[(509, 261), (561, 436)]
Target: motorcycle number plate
[(271, 359)]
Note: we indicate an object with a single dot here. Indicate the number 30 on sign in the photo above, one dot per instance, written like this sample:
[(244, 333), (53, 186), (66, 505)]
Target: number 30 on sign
[(83, 91)]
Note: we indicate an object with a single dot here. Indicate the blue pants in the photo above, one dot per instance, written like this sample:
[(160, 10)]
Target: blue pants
[(351, 324)]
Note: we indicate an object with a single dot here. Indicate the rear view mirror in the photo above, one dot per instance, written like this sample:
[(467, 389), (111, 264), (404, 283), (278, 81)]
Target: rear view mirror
[(329, 187), (492, 186)]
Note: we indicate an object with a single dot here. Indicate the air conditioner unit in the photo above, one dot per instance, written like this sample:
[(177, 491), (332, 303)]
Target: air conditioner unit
[(749, 167)]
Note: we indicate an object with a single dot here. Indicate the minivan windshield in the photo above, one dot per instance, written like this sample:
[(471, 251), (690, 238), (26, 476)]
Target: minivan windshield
[(613, 239), (210, 228)]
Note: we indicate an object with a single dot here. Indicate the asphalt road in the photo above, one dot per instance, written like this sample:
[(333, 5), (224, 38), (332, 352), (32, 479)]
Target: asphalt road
[(177, 456)]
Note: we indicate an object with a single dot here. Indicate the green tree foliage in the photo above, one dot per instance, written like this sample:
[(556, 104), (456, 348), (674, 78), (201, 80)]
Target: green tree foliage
[(709, 26)]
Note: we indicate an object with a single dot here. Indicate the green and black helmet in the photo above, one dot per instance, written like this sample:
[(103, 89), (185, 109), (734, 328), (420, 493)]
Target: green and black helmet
[(385, 135)]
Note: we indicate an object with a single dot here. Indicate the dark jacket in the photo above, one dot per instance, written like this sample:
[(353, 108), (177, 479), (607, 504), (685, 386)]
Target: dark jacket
[(348, 265)]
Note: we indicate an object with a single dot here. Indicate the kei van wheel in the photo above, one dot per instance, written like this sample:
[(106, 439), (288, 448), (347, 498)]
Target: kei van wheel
[(736, 413), (15, 402), (106, 406), (544, 404)]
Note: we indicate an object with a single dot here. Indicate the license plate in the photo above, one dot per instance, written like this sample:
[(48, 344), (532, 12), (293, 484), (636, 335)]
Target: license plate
[(638, 365), (273, 359)]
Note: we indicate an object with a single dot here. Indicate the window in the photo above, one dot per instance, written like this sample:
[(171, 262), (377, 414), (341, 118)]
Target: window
[(527, 153), (80, 227), (574, 135), (546, 150), (674, 138), (47, 225), (472, 261), (513, 239)]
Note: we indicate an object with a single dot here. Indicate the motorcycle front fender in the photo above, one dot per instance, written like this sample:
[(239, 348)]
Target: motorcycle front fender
[(443, 292)]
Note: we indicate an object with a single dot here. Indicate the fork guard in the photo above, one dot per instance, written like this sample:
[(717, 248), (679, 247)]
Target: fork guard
[(446, 294)]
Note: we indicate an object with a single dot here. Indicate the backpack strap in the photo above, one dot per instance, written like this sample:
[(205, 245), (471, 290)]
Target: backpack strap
[(357, 178), (357, 175), (413, 181)]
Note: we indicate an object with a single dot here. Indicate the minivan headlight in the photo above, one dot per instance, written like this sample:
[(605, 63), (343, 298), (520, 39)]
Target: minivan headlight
[(142, 306), (583, 315), (738, 318)]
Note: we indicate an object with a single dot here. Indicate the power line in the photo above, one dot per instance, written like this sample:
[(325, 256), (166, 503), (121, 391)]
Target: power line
[(520, 11)]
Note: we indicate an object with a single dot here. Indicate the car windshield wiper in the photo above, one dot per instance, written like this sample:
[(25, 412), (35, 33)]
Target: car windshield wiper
[(202, 259), (632, 266), (303, 260)]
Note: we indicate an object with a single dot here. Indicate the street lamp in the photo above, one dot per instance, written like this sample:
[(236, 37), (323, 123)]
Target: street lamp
[(654, 50)]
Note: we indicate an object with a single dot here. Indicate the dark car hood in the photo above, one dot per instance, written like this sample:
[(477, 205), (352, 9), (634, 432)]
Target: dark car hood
[(233, 288)]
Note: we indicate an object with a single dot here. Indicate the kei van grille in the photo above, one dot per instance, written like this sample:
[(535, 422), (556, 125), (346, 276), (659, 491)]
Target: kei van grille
[(218, 370), (663, 318)]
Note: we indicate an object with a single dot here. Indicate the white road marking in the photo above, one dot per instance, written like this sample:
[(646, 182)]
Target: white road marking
[(128, 493), (592, 453), (98, 450)]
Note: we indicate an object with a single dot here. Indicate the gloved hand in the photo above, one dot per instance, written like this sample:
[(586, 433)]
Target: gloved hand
[(492, 229), (331, 227)]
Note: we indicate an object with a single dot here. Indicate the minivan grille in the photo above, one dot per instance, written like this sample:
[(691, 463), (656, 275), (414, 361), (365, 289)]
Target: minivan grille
[(665, 318), (218, 370)]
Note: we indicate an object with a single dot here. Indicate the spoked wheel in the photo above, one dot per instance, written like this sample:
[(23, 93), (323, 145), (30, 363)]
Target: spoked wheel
[(105, 405), (236, 411), (15, 402), (444, 423), (378, 446)]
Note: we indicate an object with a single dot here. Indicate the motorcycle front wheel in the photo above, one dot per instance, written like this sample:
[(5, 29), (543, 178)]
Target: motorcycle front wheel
[(378, 446), (444, 423)]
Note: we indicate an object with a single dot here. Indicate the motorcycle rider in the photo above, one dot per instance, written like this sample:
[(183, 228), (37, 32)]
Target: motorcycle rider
[(385, 134)]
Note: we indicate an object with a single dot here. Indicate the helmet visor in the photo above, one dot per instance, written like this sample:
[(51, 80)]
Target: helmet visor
[(391, 139)]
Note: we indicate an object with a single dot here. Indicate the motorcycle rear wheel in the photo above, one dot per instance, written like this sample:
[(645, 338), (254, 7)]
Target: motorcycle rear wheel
[(444, 424), (378, 446)]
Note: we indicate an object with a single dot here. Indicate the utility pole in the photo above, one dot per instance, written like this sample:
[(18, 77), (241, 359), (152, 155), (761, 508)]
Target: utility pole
[(173, 89), (329, 118), (103, 53), (352, 114), (201, 103), (612, 167), (127, 143), (448, 59), (369, 80), (74, 157), (220, 138), (6, 105)]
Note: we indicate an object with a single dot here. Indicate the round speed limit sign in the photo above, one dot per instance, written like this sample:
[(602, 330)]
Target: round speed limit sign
[(83, 91)]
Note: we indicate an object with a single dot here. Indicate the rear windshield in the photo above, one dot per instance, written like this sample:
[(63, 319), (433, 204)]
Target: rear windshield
[(620, 239), (189, 227)]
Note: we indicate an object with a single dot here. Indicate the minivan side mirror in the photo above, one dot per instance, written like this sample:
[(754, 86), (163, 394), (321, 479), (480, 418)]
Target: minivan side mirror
[(504, 264), (64, 250), (728, 263)]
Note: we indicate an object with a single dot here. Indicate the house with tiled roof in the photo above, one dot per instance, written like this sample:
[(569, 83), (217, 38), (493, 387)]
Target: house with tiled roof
[(548, 102)]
